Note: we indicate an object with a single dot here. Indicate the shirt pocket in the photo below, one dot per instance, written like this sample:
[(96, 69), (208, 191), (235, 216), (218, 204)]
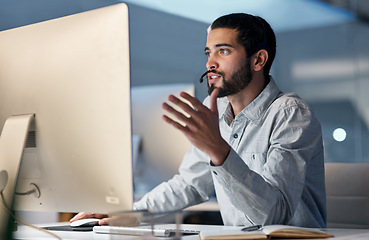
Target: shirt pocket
[(255, 161)]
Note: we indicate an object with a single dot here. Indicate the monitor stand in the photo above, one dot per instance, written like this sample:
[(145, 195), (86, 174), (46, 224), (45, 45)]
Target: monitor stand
[(12, 143)]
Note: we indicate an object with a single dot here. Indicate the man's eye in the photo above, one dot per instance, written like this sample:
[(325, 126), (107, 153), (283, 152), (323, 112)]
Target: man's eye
[(207, 54), (224, 51)]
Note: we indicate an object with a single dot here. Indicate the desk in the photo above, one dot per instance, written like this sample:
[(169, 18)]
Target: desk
[(26, 233)]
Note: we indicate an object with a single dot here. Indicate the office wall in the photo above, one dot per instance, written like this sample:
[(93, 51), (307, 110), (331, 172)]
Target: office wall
[(166, 49), (16, 13), (329, 67)]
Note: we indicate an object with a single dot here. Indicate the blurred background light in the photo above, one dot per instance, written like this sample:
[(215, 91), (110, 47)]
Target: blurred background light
[(339, 134)]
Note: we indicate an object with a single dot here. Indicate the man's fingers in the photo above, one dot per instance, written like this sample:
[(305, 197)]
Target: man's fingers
[(80, 215), (183, 105), (180, 116), (194, 101), (213, 101), (104, 221), (173, 123), (83, 215)]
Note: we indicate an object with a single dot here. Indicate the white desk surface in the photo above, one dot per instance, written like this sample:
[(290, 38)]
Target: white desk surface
[(26, 233)]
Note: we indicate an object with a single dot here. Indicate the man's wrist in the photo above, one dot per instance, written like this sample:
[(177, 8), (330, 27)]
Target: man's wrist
[(219, 158)]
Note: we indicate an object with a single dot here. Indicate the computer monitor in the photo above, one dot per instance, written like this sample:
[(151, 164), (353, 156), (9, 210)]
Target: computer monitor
[(69, 77)]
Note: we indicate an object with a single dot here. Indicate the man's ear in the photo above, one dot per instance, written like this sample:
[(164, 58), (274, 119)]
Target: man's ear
[(260, 59)]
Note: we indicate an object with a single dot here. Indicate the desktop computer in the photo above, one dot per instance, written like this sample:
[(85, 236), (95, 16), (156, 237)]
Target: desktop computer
[(65, 115)]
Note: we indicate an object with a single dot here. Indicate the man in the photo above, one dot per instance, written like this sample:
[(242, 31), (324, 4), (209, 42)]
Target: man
[(260, 149)]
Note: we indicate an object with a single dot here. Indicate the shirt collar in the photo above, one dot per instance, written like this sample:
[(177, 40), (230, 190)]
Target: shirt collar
[(256, 109)]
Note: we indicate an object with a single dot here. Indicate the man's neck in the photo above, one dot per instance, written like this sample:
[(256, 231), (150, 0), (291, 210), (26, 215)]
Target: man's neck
[(242, 99)]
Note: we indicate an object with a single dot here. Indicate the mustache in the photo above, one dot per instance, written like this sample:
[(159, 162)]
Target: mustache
[(205, 74)]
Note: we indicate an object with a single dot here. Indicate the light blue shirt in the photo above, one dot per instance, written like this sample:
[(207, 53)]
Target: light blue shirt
[(274, 173)]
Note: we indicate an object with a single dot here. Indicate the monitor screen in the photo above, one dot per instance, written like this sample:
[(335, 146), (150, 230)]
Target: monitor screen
[(72, 73)]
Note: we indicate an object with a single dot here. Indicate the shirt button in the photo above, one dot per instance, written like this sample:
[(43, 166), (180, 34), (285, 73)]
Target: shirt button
[(235, 135)]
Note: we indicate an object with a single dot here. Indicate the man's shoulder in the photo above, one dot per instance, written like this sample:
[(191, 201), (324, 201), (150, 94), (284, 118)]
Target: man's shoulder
[(290, 100)]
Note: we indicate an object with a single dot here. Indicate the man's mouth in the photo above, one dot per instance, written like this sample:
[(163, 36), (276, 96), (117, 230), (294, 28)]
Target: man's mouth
[(214, 77), (205, 74)]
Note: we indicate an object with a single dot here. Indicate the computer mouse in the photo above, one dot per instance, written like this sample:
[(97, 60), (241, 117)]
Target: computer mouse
[(87, 222)]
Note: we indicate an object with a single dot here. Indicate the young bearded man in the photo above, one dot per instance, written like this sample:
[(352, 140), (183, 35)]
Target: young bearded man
[(260, 149)]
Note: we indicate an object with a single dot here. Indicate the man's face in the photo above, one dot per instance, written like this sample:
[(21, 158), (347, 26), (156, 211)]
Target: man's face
[(228, 60)]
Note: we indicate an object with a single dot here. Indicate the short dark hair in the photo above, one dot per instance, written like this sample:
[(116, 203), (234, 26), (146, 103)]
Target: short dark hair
[(254, 33)]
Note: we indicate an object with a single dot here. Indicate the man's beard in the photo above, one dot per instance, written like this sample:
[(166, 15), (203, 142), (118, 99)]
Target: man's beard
[(238, 81)]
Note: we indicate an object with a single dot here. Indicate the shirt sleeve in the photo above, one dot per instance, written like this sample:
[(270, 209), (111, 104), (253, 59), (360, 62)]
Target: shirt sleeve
[(271, 194), (193, 185)]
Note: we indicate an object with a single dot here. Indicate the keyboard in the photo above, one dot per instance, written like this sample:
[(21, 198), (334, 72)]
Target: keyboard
[(162, 230)]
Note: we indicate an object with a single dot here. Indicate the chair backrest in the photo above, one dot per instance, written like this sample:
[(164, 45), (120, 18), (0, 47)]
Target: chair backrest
[(347, 187)]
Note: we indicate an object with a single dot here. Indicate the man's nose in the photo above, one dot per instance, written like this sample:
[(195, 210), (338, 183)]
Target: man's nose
[(211, 64)]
